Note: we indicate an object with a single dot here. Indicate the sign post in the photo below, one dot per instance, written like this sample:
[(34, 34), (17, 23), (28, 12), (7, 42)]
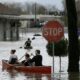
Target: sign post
[(53, 32)]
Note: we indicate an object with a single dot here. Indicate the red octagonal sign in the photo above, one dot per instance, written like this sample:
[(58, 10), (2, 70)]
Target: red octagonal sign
[(53, 31)]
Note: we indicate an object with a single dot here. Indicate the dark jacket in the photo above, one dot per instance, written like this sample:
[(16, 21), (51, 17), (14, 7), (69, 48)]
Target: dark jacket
[(28, 43), (26, 63), (37, 59)]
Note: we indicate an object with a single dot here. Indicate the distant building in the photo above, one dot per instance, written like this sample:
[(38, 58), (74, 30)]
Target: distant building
[(8, 25)]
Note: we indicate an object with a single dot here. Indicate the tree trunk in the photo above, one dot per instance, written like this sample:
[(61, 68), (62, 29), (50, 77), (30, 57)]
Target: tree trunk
[(73, 65)]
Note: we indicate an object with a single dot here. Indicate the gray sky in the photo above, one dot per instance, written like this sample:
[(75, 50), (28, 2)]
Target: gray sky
[(57, 3)]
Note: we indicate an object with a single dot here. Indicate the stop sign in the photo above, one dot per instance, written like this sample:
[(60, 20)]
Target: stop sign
[(53, 31)]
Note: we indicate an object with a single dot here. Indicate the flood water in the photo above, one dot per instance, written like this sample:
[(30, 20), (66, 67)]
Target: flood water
[(38, 43)]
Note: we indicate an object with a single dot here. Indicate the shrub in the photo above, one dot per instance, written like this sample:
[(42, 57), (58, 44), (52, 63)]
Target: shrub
[(60, 48)]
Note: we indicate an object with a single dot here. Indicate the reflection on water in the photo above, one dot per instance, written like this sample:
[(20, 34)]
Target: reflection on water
[(38, 76), (74, 76), (13, 75)]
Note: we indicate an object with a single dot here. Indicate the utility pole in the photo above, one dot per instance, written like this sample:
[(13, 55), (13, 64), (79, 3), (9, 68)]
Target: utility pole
[(73, 65)]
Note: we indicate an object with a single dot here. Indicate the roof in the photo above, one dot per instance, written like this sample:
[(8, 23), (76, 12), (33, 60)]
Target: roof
[(30, 17), (5, 10)]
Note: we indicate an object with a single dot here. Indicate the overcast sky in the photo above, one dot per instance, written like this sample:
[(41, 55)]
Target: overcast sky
[(57, 3)]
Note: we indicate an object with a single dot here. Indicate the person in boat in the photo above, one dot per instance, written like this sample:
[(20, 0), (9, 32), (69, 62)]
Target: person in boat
[(26, 62), (37, 59), (28, 43), (13, 57)]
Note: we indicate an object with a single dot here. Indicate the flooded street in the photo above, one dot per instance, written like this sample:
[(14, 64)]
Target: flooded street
[(39, 40), (38, 43)]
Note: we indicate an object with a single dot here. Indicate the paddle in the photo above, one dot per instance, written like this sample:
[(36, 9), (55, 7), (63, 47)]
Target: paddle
[(21, 57), (24, 55)]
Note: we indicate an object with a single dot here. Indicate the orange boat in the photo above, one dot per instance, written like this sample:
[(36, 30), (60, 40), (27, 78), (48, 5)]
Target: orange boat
[(26, 69)]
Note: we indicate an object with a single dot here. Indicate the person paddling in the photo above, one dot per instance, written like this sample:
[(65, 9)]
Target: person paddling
[(28, 43), (26, 62), (37, 59), (13, 57)]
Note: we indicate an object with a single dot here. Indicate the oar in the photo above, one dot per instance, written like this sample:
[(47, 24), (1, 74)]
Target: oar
[(24, 55), (21, 57), (21, 47)]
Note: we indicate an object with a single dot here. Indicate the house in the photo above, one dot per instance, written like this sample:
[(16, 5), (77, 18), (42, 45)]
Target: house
[(9, 27)]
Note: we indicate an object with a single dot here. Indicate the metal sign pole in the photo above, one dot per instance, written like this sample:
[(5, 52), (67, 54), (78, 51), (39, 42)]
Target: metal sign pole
[(60, 67), (53, 62), (60, 63)]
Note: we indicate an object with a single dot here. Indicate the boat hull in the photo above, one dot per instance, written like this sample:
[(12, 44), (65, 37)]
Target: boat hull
[(27, 69)]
